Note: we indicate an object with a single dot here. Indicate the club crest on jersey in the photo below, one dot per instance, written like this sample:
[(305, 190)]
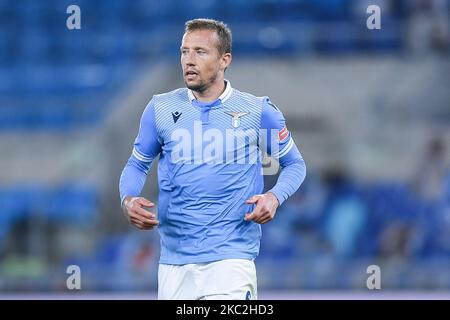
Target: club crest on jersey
[(236, 118)]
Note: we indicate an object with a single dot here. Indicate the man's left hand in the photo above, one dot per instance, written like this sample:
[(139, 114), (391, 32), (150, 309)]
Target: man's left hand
[(266, 207)]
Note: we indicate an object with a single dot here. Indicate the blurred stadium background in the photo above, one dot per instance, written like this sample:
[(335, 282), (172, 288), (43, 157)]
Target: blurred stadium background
[(369, 109)]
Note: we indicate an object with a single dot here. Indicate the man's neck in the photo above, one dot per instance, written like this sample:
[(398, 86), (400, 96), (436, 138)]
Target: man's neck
[(212, 93)]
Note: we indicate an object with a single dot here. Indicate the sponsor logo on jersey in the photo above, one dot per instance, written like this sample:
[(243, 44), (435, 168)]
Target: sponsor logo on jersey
[(176, 115)]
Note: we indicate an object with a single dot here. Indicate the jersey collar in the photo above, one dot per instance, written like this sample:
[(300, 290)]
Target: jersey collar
[(223, 97)]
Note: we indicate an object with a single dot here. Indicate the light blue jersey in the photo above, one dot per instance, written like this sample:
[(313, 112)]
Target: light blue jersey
[(210, 164)]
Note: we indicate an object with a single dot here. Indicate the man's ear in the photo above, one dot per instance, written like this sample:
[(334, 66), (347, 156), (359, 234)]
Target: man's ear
[(225, 61)]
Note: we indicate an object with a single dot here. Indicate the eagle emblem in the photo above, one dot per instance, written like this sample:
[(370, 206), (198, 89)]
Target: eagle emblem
[(236, 118)]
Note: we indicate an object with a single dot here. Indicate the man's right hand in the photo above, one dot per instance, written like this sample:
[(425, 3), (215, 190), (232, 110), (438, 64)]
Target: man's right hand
[(133, 207)]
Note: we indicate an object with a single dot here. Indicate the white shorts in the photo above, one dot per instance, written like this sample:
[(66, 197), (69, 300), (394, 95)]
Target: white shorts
[(230, 279)]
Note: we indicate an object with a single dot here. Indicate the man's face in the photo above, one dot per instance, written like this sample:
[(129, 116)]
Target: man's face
[(200, 59)]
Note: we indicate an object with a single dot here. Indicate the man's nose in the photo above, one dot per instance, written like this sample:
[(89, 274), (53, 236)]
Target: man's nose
[(189, 59)]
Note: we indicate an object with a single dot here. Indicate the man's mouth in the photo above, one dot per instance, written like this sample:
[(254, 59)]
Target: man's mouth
[(191, 74)]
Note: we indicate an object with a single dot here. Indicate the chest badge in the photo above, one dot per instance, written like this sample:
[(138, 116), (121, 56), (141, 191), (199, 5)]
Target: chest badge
[(236, 118)]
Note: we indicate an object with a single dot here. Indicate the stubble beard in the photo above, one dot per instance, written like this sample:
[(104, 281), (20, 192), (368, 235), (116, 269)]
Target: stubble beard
[(202, 86)]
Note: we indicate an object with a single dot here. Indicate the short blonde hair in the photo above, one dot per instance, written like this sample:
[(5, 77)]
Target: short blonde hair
[(221, 29)]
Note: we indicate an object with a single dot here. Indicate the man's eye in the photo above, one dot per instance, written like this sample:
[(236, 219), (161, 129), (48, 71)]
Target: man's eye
[(200, 51)]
